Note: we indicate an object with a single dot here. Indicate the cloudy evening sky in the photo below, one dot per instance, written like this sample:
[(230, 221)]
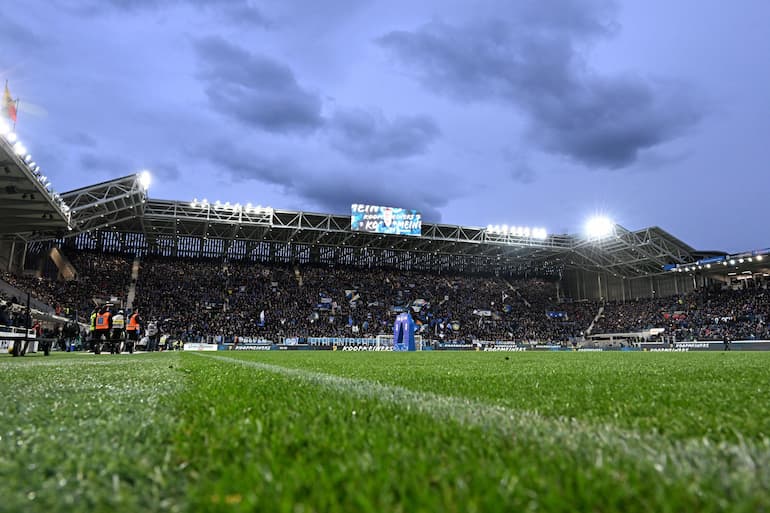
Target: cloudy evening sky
[(525, 112)]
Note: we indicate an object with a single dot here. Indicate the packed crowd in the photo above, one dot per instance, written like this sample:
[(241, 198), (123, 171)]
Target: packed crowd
[(707, 314), (195, 300), (98, 276)]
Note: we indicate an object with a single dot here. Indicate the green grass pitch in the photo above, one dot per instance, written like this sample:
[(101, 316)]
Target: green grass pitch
[(373, 432)]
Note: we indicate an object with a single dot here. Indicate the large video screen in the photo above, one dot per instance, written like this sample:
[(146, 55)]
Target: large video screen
[(375, 219)]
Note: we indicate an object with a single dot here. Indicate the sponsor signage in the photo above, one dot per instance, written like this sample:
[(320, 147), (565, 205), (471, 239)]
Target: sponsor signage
[(195, 346), (253, 347)]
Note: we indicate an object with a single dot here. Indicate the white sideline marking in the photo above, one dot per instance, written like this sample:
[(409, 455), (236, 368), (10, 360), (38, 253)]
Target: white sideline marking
[(745, 465)]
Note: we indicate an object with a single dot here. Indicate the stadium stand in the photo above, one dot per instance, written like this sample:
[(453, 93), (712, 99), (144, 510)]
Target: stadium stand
[(197, 299), (218, 270)]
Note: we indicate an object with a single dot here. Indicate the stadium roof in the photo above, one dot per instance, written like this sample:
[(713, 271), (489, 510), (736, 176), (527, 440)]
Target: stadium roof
[(29, 208), (31, 211), (204, 229)]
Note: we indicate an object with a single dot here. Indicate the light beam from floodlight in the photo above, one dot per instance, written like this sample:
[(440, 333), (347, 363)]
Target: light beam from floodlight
[(599, 227)]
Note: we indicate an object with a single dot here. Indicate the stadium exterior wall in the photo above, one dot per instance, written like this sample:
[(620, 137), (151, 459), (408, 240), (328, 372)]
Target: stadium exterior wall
[(579, 285)]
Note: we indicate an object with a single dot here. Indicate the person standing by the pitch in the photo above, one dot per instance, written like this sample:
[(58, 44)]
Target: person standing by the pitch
[(133, 328), (103, 326), (118, 333), (727, 342)]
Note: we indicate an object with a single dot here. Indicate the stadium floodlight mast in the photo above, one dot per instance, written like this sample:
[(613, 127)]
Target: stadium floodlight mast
[(599, 227), (145, 179)]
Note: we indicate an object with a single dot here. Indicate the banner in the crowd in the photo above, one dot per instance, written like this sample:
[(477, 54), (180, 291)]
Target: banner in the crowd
[(390, 220), (419, 304)]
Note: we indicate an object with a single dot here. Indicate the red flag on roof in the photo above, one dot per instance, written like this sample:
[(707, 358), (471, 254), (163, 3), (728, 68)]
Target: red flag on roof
[(9, 105)]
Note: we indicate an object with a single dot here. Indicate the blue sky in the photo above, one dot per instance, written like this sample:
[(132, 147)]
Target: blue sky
[(488, 112)]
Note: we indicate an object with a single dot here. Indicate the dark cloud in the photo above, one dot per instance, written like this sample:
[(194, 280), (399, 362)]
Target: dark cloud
[(328, 189), (370, 136), (255, 90), (533, 60), (238, 11), (519, 167), (79, 139), (343, 189), (114, 165), (167, 171), (16, 34), (243, 164), (119, 165)]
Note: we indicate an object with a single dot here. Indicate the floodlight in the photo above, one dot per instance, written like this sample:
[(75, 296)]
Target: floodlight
[(599, 227), (11, 137), (740, 260), (28, 158), (489, 227), (732, 262), (504, 229), (759, 258), (5, 128), (19, 149), (145, 178)]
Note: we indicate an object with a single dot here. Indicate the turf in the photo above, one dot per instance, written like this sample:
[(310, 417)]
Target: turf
[(294, 431)]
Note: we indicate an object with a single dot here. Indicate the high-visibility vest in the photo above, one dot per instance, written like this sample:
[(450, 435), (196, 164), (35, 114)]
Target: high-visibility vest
[(133, 323), (103, 321), (93, 321), (118, 321)]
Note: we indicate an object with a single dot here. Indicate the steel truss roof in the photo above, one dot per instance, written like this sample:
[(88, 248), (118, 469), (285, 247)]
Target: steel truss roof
[(28, 209), (632, 253), (106, 204), (173, 227)]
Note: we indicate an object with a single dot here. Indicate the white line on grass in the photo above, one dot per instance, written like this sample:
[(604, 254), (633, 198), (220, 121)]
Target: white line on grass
[(745, 465)]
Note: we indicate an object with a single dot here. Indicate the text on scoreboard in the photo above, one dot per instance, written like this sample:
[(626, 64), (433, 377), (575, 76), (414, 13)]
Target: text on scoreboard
[(376, 219)]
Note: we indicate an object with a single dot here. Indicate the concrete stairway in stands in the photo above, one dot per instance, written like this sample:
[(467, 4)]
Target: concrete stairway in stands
[(132, 287)]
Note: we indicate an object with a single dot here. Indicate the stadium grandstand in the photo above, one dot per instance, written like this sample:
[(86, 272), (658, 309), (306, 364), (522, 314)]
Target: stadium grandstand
[(226, 272)]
